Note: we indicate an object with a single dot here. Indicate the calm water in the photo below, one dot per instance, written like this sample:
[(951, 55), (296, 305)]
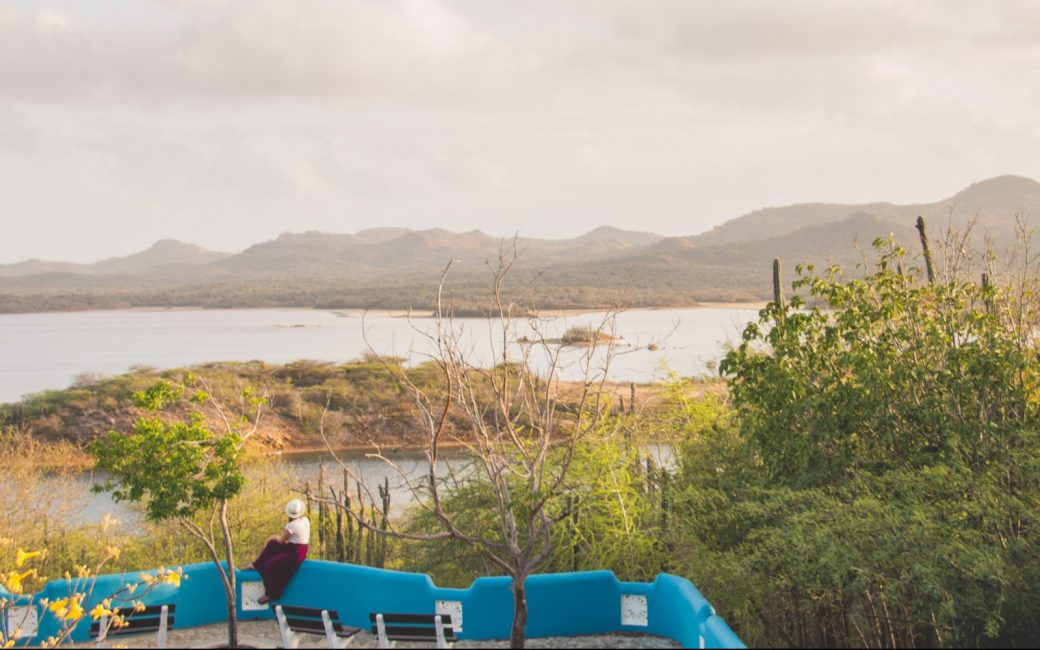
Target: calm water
[(300, 469), (48, 351), (294, 471)]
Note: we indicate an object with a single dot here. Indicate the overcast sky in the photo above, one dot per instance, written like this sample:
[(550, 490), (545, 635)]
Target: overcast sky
[(227, 122)]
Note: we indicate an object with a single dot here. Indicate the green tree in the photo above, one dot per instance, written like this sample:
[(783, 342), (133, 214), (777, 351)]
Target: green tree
[(891, 372), (878, 485), (178, 467)]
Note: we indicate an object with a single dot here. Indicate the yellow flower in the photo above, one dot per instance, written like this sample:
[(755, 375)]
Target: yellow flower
[(60, 607), (101, 609), (147, 578), (8, 643), (75, 610), (82, 571), (13, 581), (172, 578), (21, 557)]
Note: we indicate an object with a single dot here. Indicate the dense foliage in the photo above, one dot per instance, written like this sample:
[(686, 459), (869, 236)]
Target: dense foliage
[(895, 373), (879, 485)]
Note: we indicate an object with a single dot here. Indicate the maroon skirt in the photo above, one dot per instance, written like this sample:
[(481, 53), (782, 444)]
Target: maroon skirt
[(277, 564)]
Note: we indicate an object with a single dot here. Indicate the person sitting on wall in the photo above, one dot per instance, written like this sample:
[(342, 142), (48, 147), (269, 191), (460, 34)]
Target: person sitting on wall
[(284, 553)]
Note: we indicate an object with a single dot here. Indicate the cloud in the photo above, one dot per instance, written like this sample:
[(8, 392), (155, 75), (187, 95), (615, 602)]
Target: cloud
[(469, 52), (226, 121), (244, 48)]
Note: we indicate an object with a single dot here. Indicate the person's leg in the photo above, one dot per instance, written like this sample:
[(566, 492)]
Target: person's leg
[(278, 571), (272, 549)]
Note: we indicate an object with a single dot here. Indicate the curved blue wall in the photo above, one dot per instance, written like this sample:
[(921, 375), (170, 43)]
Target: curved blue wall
[(559, 604)]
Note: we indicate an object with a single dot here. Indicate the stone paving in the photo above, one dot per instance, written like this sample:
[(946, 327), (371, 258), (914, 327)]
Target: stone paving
[(264, 634)]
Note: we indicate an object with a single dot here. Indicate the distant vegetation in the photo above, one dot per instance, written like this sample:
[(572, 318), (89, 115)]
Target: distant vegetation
[(364, 401), (464, 300), (584, 335)]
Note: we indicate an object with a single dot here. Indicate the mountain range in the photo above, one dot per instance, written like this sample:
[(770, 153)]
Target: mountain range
[(397, 267)]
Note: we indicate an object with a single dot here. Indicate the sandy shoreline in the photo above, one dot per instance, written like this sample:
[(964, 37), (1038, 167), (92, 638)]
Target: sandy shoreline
[(425, 313)]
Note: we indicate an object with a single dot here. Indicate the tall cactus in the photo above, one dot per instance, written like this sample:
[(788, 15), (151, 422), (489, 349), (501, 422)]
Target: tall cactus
[(927, 251), (384, 523), (321, 510), (348, 551), (339, 524)]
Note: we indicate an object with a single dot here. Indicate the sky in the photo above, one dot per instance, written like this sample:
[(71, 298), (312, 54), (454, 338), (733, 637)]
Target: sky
[(227, 122)]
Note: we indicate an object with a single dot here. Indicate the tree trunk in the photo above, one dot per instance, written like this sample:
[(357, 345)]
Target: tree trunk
[(229, 584), (518, 635)]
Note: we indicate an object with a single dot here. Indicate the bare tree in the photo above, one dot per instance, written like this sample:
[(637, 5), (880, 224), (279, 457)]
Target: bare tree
[(516, 421)]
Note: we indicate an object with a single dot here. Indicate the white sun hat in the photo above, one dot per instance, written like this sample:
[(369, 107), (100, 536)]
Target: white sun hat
[(295, 509)]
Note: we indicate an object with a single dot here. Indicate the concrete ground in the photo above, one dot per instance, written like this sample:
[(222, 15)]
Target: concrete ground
[(264, 634)]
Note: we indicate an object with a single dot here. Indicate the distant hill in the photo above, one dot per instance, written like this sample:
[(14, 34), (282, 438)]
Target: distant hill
[(370, 253), (399, 268), (732, 261), (993, 204), (163, 253), (35, 266)]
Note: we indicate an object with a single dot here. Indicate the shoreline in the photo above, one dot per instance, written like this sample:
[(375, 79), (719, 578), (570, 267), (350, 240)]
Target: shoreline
[(351, 312), (357, 449)]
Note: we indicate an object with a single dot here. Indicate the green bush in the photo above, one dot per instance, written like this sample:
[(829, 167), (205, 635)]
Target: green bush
[(879, 484)]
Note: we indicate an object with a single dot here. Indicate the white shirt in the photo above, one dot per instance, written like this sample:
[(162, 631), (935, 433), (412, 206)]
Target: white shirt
[(299, 530)]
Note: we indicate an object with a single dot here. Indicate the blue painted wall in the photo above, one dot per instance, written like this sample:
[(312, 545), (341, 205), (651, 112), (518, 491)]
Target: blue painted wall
[(559, 604)]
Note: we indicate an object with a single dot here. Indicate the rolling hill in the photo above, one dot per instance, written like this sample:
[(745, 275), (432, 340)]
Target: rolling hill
[(398, 268)]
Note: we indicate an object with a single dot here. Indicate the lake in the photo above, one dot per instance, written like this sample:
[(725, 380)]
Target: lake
[(48, 351), (301, 469)]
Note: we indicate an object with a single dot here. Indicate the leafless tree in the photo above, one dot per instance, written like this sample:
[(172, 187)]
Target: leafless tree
[(514, 418)]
